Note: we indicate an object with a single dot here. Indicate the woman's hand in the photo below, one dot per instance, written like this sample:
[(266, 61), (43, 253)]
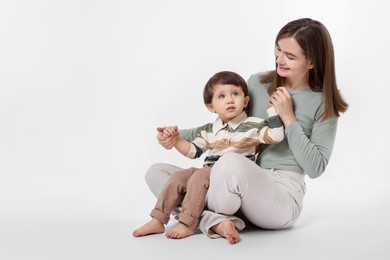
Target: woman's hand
[(281, 101), (167, 136)]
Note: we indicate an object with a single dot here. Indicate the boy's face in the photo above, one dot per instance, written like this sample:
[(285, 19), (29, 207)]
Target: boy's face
[(228, 101)]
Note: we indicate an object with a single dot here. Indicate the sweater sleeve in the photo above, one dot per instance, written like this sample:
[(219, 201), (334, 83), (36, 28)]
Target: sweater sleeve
[(198, 144), (197, 148), (313, 153), (274, 132), (188, 134)]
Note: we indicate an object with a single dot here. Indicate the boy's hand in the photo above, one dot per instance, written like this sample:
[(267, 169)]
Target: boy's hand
[(170, 130), (166, 140)]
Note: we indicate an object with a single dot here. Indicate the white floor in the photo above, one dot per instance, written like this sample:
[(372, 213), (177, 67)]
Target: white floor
[(81, 227)]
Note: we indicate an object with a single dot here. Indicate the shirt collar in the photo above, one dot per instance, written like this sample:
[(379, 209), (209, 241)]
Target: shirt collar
[(233, 124)]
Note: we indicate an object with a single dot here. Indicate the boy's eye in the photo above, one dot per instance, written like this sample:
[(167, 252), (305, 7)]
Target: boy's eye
[(236, 93), (222, 96)]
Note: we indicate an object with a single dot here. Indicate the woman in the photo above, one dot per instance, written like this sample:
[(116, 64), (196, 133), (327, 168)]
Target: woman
[(270, 192)]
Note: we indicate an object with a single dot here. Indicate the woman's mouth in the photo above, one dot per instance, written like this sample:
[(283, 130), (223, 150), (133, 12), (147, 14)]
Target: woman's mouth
[(282, 68)]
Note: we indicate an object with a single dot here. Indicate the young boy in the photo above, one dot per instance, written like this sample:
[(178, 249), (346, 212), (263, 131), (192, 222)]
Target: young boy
[(226, 94)]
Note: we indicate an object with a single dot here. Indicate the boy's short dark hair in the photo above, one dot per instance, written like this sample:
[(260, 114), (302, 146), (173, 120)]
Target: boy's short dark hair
[(223, 78)]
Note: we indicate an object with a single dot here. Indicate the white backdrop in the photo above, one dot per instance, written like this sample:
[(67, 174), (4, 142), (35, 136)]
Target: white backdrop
[(84, 84)]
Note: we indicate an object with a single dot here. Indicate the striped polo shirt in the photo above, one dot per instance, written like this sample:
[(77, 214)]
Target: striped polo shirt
[(241, 135)]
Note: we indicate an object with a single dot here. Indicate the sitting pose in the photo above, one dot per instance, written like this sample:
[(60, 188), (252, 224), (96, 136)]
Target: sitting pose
[(226, 94), (269, 194)]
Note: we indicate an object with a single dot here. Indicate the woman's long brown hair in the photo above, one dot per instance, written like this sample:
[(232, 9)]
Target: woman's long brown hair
[(316, 43)]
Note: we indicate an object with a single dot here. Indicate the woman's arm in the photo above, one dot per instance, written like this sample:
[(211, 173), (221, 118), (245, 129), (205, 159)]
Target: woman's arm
[(313, 153)]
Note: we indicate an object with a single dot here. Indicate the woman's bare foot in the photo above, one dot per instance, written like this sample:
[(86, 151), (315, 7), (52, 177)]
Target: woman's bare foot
[(152, 227), (227, 230), (179, 231)]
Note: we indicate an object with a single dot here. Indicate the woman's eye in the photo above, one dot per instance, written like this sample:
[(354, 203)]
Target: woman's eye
[(290, 57)]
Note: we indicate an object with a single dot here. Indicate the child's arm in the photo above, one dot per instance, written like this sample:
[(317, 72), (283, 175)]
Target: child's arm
[(180, 144), (274, 132), (166, 141)]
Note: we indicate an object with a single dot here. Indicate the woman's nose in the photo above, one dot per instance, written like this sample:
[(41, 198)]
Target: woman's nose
[(280, 59)]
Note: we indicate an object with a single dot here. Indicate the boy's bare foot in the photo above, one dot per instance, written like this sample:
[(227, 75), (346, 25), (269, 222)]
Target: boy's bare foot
[(179, 231), (152, 227), (227, 230)]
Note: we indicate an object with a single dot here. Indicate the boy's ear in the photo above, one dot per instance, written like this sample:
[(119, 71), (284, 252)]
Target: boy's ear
[(246, 101), (210, 107)]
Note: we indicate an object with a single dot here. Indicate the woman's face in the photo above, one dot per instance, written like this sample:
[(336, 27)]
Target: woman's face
[(292, 64)]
